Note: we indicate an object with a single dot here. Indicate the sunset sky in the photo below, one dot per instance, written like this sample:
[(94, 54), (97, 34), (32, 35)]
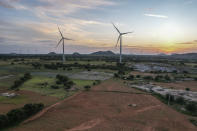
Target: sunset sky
[(160, 26)]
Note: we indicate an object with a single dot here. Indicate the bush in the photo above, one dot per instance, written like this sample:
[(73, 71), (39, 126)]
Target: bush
[(65, 81), (180, 100), (174, 71), (193, 121), (116, 75), (148, 77), (167, 78), (54, 87), (191, 107), (121, 72), (15, 116), (187, 89), (19, 82), (58, 82), (3, 121), (131, 77), (158, 78), (138, 76), (27, 76), (87, 87)]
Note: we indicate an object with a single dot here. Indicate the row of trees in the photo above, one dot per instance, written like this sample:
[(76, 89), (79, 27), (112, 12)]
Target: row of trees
[(15, 116), (20, 81), (55, 66)]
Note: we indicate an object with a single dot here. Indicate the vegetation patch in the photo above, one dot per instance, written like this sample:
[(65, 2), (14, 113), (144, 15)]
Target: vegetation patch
[(16, 116), (82, 83), (19, 82)]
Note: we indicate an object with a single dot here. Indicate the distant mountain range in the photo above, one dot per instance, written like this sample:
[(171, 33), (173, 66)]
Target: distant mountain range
[(104, 53), (52, 53), (110, 53), (185, 56)]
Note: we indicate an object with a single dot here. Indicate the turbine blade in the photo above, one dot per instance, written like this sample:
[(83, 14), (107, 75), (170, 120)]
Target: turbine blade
[(116, 28), (126, 33), (118, 41), (58, 43), (68, 39), (60, 31)]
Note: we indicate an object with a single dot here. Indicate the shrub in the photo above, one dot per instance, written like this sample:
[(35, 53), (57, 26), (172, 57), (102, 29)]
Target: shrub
[(167, 78), (3, 121), (36, 65), (138, 76), (191, 107), (55, 87), (148, 77), (87, 87), (116, 75), (193, 121), (121, 72), (19, 82), (98, 81), (58, 82), (180, 100), (131, 77), (15, 115), (174, 71), (187, 89), (27, 76), (185, 72)]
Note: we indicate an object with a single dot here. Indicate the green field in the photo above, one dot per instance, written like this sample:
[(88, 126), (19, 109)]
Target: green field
[(35, 85), (15, 100)]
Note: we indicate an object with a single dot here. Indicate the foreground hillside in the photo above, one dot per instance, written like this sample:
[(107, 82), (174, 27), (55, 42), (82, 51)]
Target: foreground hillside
[(107, 107)]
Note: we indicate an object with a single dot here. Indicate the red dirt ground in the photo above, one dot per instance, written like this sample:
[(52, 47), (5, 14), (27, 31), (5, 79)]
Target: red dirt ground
[(109, 111)]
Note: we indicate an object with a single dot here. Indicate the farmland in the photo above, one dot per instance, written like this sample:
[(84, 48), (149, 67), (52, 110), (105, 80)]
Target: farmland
[(92, 95)]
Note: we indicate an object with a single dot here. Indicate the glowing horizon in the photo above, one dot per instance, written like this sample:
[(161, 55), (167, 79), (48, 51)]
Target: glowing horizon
[(159, 26)]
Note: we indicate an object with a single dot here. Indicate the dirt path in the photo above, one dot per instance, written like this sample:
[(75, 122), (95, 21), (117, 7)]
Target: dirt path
[(45, 110), (109, 111), (86, 125)]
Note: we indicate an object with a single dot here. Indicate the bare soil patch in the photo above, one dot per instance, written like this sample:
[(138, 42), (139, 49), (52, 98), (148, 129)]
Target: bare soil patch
[(109, 111)]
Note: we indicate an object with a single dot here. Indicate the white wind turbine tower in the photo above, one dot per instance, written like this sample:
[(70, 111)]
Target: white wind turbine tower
[(62, 41), (120, 39)]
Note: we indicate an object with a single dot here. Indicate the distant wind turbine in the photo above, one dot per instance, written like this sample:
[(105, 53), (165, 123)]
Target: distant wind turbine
[(120, 39), (62, 41)]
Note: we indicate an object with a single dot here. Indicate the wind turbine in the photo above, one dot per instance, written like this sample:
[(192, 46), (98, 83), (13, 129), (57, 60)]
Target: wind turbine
[(120, 39), (62, 41)]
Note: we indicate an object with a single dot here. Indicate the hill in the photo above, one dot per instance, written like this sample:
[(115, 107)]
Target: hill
[(185, 56), (103, 53)]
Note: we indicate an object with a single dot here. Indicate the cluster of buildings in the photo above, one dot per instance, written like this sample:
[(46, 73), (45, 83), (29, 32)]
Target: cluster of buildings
[(186, 95)]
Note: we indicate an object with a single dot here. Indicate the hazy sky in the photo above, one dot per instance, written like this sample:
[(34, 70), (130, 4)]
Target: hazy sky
[(160, 26)]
